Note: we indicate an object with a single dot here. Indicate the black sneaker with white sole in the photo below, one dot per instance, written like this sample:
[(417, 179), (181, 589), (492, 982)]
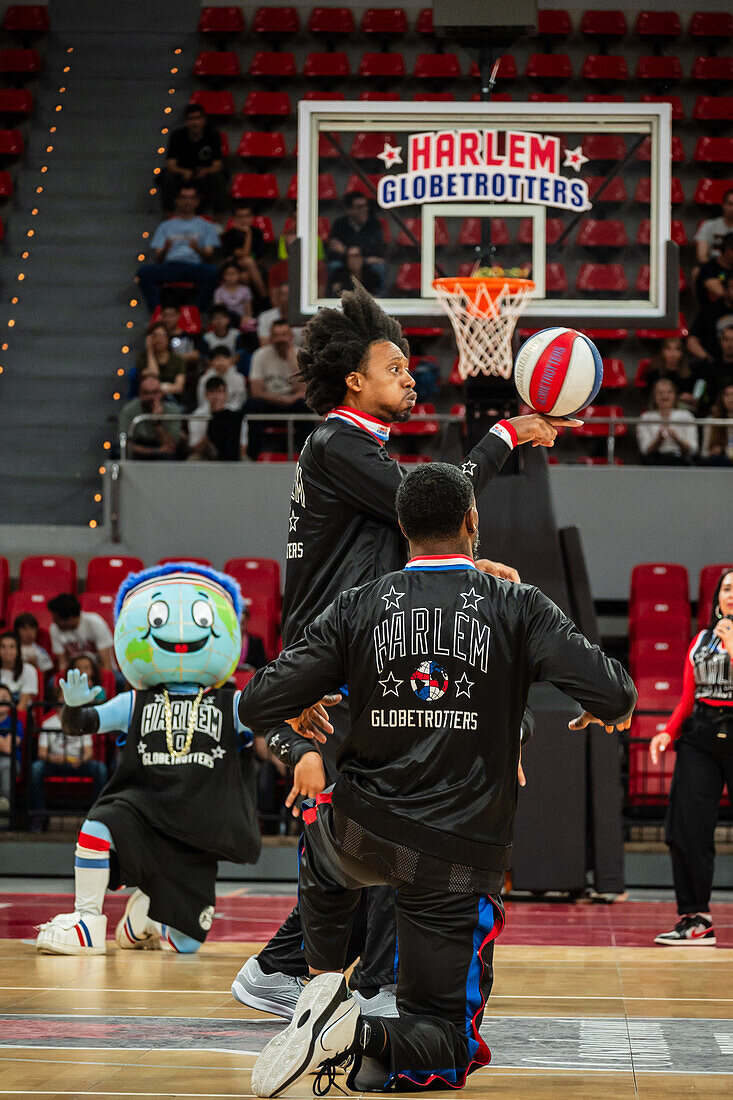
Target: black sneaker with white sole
[(323, 1029), (689, 932)]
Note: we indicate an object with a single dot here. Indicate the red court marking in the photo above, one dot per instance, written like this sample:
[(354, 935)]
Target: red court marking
[(625, 924)]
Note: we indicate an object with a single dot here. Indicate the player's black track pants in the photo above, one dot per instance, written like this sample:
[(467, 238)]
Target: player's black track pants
[(445, 957)]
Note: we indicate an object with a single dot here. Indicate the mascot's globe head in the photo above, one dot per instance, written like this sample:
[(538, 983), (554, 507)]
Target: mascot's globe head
[(177, 624)]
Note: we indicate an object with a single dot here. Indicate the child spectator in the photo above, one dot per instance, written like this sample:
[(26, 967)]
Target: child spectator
[(16, 674), (253, 648), (221, 364), (233, 293), (223, 333), (671, 362), (6, 747), (717, 440), (220, 437), (181, 343), (244, 243), (74, 631), (159, 359), (661, 443), (26, 627)]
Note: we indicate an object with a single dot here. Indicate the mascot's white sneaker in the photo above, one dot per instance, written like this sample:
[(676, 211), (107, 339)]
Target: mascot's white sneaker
[(135, 931), (323, 1029), (73, 934)]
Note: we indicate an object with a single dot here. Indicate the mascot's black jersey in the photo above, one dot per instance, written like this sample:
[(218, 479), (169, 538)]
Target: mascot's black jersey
[(439, 659)]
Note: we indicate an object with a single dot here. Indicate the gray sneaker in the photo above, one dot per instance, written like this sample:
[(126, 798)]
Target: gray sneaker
[(383, 1003), (275, 993)]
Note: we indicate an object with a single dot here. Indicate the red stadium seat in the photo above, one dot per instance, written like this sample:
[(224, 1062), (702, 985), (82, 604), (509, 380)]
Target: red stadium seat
[(604, 147), (273, 63), (674, 101), (606, 278), (222, 21), (554, 228), (709, 150), (216, 104), (20, 62), (548, 66), (26, 18), (276, 21), (658, 24), (711, 24), (368, 144), (470, 232), (384, 21), (604, 67), (329, 66), (189, 319), (613, 190), (600, 334), (316, 94), (254, 185), (101, 603), (264, 618), (437, 66), (603, 98), (603, 24), (593, 429), (556, 279), (710, 192), (331, 21), (415, 226), (265, 146), (15, 101), (602, 234), (657, 656), (713, 108), (553, 23), (645, 149), (644, 190), (267, 104), (177, 560), (242, 677), (409, 278), (679, 236), (35, 602), (719, 69), (385, 66), (507, 68), (414, 427), (436, 97), (40, 573), (11, 143), (648, 784), (653, 579), (643, 280), (324, 227), (709, 575), (326, 187), (264, 225), (106, 574), (273, 456), (614, 375), (379, 97), (6, 185), (4, 587), (412, 460), (660, 618), (681, 331), (367, 187), (596, 460), (548, 97), (225, 151), (256, 576), (217, 63), (660, 69), (658, 692)]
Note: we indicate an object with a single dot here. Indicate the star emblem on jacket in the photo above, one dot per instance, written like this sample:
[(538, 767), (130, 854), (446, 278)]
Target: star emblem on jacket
[(390, 685), (292, 522), (142, 747), (470, 600), (464, 685), (468, 468), (392, 598), (218, 752)]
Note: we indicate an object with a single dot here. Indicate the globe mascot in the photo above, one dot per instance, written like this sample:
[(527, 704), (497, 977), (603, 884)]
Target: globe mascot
[(182, 794)]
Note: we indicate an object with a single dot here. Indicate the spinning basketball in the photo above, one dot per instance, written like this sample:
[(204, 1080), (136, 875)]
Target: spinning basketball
[(558, 371)]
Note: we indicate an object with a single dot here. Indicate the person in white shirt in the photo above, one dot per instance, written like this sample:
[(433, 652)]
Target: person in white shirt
[(221, 364), (15, 673), (274, 386), (667, 435), (73, 631), (711, 231), (279, 297)]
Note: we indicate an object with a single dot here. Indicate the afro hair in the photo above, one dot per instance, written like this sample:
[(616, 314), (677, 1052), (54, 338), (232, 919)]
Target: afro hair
[(336, 343)]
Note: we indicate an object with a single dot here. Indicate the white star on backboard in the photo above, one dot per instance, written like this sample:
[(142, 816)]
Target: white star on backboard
[(464, 686), (392, 599), (141, 747), (470, 599), (218, 752), (390, 154), (574, 159), (390, 685), (468, 468), (292, 521)]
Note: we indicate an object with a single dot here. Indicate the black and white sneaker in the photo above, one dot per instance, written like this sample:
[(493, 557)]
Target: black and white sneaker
[(689, 932), (323, 1029)]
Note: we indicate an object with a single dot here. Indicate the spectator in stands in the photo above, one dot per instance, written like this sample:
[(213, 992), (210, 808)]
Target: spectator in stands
[(713, 373), (701, 727), (152, 439), (703, 343), (62, 756), (712, 275), (353, 267), (8, 735), (184, 246), (194, 156), (279, 297), (711, 232), (361, 227), (222, 365), (243, 243), (275, 387), (26, 627), (17, 675), (717, 440), (160, 360), (74, 632), (233, 293), (666, 435), (671, 362), (223, 333), (183, 345), (253, 648), (220, 436)]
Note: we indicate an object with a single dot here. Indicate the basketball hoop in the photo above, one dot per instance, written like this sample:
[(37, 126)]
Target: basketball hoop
[(483, 312)]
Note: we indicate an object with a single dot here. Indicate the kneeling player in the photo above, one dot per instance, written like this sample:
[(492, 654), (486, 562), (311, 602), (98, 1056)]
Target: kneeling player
[(182, 794)]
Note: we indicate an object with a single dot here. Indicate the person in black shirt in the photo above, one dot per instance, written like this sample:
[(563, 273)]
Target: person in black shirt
[(243, 243), (354, 267), (703, 343), (439, 658), (194, 156), (358, 227)]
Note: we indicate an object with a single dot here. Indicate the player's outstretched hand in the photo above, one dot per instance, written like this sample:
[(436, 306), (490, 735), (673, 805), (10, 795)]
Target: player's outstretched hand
[(541, 431), (496, 569), (309, 779), (586, 718), (658, 744), (313, 721), (76, 689)]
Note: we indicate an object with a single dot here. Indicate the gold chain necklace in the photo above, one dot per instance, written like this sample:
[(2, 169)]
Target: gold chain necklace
[(169, 724)]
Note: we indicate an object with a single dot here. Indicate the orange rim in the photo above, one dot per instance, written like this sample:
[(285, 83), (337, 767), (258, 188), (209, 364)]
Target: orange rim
[(470, 284)]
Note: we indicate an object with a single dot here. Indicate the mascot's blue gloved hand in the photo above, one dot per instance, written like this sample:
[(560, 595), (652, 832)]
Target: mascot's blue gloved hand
[(77, 692)]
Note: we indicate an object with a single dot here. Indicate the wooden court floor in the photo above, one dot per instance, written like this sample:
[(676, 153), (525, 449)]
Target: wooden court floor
[(563, 1021)]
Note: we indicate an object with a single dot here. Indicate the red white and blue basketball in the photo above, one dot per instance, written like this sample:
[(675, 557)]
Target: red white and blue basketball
[(429, 682), (558, 371)]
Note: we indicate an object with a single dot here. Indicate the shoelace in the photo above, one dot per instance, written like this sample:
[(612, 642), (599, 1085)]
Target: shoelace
[(326, 1076)]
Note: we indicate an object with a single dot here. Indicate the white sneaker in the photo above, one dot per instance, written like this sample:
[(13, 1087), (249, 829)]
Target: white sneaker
[(689, 932), (275, 993), (383, 1003), (323, 1029), (73, 934), (135, 931)]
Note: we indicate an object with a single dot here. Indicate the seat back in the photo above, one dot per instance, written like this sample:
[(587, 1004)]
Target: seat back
[(52, 575), (106, 573)]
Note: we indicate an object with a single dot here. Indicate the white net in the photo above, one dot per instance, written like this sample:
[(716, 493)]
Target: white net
[(483, 313)]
